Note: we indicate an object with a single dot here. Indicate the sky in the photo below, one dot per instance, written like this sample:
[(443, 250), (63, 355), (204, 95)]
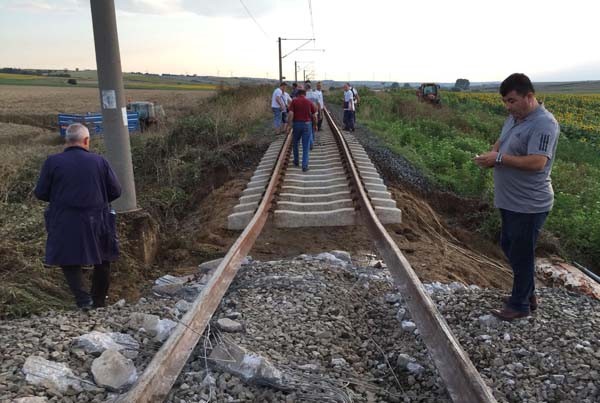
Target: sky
[(381, 40)]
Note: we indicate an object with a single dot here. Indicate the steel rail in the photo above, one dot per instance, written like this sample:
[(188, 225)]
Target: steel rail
[(161, 373), (463, 381)]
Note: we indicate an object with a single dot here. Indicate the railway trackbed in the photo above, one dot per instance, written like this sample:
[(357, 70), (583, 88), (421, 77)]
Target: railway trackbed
[(463, 382)]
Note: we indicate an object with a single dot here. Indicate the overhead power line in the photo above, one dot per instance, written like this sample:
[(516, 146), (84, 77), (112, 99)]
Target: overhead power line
[(254, 19)]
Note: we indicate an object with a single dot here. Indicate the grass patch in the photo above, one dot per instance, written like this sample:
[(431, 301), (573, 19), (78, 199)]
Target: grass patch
[(442, 142)]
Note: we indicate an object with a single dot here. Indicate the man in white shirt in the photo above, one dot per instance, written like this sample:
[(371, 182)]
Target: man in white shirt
[(348, 108), (287, 100), (313, 97), (278, 106), (321, 104)]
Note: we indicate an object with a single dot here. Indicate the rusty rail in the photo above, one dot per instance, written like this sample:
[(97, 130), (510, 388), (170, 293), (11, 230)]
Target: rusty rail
[(462, 380), (162, 372)]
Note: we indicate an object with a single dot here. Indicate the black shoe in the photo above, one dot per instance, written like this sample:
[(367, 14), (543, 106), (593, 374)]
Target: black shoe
[(311, 147), (304, 169), (296, 164), (86, 307)]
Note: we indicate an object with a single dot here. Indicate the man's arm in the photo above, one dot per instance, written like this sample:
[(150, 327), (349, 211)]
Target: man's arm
[(42, 188), (532, 162), (281, 102), (496, 146)]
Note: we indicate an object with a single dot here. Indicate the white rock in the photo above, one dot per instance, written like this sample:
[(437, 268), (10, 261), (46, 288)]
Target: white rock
[(113, 371), (439, 287), (415, 368), (120, 303), (328, 257), (342, 255), (455, 286), (95, 343), (228, 325), (249, 366), (163, 329), (408, 326), (50, 374), (474, 287), (168, 279), (506, 337), (30, 399), (488, 321)]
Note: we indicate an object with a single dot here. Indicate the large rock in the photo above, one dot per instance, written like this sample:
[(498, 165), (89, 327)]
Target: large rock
[(97, 342), (342, 255), (228, 325), (113, 371), (250, 367), (330, 258), (50, 374)]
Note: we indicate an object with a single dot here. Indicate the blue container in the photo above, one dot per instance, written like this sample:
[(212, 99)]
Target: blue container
[(93, 121)]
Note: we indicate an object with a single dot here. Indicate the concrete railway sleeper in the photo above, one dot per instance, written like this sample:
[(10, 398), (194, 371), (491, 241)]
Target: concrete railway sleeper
[(341, 182)]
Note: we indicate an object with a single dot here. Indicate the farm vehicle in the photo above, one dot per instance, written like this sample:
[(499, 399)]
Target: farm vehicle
[(140, 116), (429, 92)]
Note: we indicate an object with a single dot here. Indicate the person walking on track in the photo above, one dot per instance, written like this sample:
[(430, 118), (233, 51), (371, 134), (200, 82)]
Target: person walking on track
[(278, 106), (79, 187), (522, 159), (319, 92), (313, 97), (303, 116), (349, 110)]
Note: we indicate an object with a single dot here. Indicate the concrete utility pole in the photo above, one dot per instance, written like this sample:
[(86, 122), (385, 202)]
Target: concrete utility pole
[(112, 100), (295, 71), (280, 62)]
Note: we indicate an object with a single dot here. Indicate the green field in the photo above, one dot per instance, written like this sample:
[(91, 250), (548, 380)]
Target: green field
[(442, 142)]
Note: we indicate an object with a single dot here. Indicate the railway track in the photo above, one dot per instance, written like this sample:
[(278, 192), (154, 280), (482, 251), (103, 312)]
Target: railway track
[(362, 203)]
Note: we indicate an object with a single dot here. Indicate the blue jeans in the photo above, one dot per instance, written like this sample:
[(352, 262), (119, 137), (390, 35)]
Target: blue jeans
[(349, 118), (520, 232), (302, 130), (277, 117)]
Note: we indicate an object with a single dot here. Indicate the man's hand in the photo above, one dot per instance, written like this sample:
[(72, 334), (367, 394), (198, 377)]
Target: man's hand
[(486, 160)]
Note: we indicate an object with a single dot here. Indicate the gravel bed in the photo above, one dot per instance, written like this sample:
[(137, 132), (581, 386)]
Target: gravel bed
[(337, 333), (309, 314)]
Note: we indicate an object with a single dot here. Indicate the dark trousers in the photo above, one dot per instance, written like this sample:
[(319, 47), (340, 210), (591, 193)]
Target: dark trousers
[(520, 232), (349, 120), (302, 131), (100, 284), (320, 120)]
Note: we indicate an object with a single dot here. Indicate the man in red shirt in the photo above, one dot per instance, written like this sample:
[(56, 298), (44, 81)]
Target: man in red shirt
[(303, 115)]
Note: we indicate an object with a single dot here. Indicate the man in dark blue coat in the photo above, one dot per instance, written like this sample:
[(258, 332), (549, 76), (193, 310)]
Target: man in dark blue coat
[(79, 220)]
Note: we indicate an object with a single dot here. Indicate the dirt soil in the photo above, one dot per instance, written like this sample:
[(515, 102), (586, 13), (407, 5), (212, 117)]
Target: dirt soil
[(436, 252)]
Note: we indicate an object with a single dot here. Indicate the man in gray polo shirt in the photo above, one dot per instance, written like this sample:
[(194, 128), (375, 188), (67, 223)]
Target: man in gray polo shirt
[(522, 159)]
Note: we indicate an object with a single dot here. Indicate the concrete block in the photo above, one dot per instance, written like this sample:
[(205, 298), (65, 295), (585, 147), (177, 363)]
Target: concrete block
[(238, 221), (315, 207), (322, 198), (334, 218), (314, 190), (389, 215), (245, 207)]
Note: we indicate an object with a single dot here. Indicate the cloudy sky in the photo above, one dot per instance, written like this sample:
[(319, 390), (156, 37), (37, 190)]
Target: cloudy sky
[(417, 40)]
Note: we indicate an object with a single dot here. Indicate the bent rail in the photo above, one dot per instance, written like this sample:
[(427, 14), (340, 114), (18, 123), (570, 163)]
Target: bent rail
[(162, 372), (463, 382)]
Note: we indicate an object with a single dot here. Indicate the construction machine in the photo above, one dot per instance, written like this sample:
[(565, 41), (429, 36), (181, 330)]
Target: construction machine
[(429, 92), (150, 113)]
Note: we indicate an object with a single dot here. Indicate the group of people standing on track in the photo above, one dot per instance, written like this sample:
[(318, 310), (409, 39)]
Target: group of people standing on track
[(303, 111)]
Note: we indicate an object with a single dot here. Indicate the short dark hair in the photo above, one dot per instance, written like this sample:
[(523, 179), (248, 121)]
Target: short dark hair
[(301, 92), (295, 85), (283, 83), (517, 82)]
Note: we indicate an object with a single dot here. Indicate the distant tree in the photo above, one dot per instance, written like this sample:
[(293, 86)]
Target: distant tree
[(383, 83), (395, 85), (76, 68), (462, 84), (72, 81), (406, 85)]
